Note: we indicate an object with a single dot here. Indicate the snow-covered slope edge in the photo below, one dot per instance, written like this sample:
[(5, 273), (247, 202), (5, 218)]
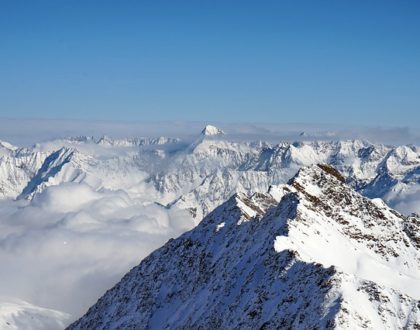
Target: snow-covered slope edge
[(313, 253), (18, 314)]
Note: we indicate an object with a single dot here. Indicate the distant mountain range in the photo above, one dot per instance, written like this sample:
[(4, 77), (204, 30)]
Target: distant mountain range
[(200, 175)]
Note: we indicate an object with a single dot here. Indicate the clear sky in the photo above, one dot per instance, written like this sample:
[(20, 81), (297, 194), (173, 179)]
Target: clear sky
[(339, 61)]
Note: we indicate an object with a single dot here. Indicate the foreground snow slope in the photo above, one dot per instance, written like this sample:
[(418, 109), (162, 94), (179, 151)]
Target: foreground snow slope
[(313, 253)]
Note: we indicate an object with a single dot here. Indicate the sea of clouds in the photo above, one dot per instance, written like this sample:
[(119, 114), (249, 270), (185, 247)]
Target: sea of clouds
[(65, 248)]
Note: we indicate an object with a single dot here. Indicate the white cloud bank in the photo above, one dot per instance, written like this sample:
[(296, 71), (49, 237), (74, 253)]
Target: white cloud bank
[(408, 202), (70, 244)]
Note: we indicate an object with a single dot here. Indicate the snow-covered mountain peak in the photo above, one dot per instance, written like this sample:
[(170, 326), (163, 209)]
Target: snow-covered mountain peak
[(323, 257), (314, 172), (322, 188), (334, 225), (55, 168), (210, 130)]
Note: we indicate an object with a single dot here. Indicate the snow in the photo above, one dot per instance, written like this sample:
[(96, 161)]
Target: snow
[(330, 244), (302, 263), (127, 196), (220, 226), (17, 314), (248, 212), (278, 191), (334, 250), (210, 130)]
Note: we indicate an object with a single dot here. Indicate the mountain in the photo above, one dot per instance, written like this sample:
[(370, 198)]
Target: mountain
[(181, 172), (310, 254), (200, 175), (77, 192), (133, 142), (18, 314), (229, 167), (17, 167), (210, 130)]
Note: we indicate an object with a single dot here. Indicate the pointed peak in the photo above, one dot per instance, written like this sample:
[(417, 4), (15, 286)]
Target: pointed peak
[(318, 180), (210, 130)]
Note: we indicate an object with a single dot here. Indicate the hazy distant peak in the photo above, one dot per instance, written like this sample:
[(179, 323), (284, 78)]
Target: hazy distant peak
[(210, 130)]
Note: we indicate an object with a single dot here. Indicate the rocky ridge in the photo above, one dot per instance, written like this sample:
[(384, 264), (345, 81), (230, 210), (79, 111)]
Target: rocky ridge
[(311, 253)]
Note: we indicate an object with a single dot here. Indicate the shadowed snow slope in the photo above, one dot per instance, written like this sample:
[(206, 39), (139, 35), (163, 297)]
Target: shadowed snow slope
[(313, 253)]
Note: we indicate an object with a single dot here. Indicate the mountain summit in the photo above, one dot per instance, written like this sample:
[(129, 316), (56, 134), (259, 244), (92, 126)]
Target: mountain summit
[(210, 130), (310, 254)]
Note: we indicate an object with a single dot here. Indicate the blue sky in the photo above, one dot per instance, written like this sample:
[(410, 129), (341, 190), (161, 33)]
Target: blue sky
[(346, 62)]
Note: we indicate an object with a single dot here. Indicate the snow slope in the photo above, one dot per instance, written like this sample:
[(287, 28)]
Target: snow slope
[(17, 167), (17, 314), (313, 253)]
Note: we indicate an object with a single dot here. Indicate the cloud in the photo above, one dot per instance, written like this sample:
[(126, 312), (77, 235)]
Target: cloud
[(71, 243), (408, 202)]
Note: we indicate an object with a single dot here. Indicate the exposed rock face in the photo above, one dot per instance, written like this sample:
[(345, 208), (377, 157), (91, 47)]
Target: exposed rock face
[(313, 253)]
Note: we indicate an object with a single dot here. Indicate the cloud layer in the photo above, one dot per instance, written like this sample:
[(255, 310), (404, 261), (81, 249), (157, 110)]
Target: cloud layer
[(70, 244)]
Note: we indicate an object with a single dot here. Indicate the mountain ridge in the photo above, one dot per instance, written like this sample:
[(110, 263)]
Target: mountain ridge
[(182, 172), (246, 266)]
